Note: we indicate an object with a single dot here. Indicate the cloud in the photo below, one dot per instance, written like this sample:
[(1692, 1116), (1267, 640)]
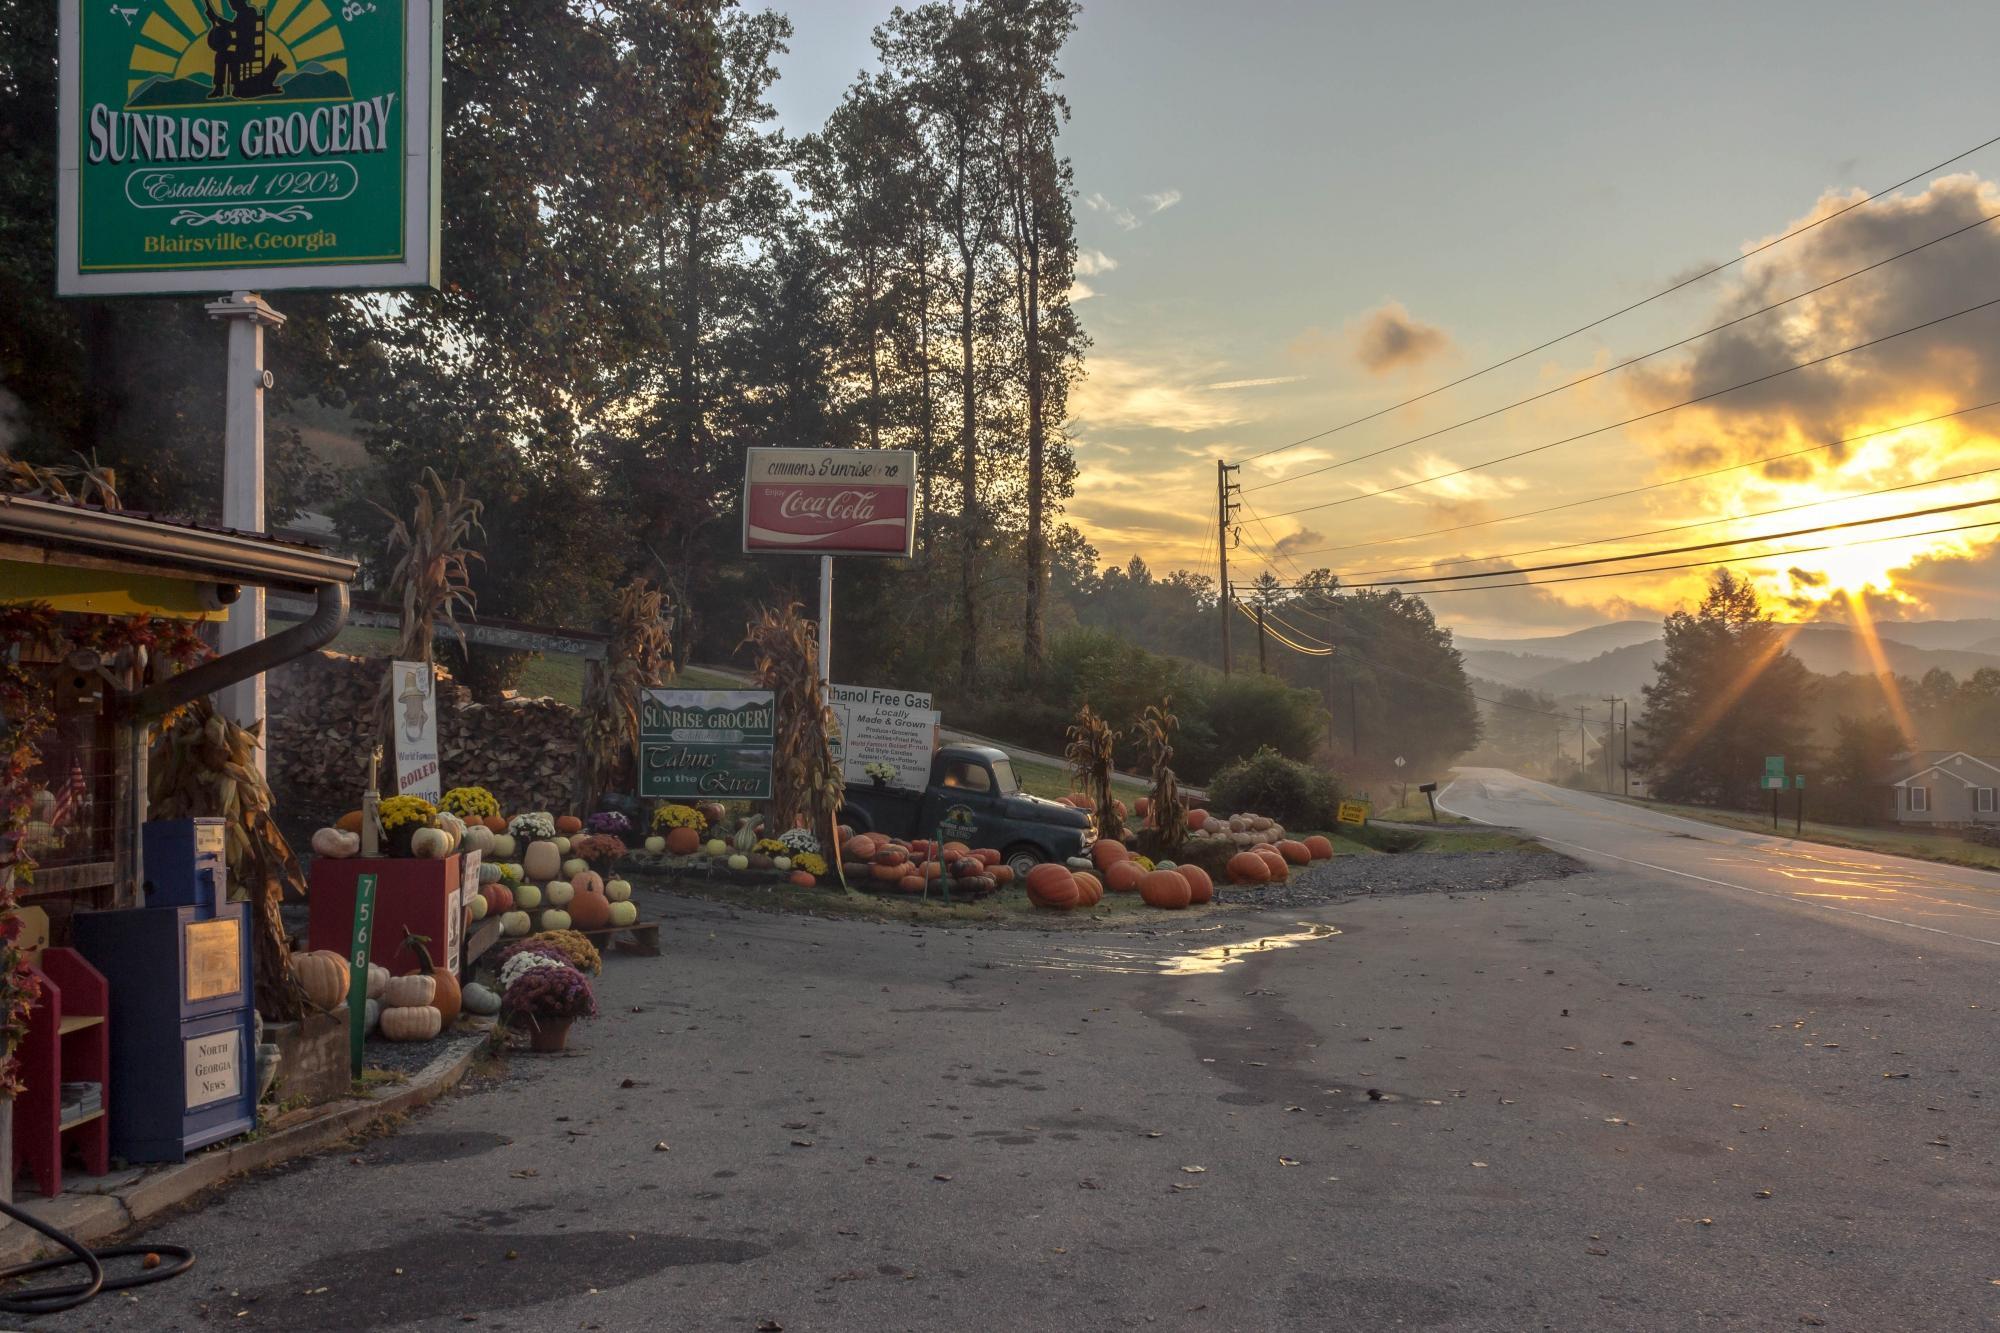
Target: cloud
[(1097, 203), (1164, 200), (1129, 395), (1305, 539), (1256, 384), (1080, 291), (1090, 263), (1387, 338)]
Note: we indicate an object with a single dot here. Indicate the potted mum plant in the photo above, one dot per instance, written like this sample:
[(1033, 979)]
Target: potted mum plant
[(548, 998)]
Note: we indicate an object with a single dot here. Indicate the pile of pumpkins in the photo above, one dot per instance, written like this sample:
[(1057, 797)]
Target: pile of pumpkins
[(1112, 868), (415, 1006), (893, 865), (567, 893)]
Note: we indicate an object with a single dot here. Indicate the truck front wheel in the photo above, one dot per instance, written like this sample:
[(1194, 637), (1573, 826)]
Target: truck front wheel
[(1023, 858)]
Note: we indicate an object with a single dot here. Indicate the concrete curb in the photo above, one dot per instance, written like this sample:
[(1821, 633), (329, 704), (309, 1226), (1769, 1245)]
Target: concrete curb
[(95, 1218)]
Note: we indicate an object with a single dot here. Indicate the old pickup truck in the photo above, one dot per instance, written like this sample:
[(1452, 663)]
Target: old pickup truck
[(974, 798)]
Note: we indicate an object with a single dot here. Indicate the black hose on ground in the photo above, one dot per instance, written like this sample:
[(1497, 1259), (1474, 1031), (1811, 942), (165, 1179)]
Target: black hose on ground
[(54, 1300)]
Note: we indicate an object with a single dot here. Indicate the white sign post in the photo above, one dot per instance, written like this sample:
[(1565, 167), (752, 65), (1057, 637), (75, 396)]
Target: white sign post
[(413, 690)]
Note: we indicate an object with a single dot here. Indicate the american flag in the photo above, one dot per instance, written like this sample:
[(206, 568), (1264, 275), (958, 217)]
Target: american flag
[(70, 797)]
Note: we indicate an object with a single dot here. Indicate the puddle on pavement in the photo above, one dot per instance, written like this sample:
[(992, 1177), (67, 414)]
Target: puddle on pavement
[(1217, 957)]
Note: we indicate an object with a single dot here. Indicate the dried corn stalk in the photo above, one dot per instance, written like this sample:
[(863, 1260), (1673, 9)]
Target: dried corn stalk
[(637, 660), (806, 786), (431, 580), (1156, 736), (1091, 740), (89, 483), (203, 764)]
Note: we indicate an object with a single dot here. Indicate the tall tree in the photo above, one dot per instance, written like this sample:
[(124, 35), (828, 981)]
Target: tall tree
[(1728, 694)]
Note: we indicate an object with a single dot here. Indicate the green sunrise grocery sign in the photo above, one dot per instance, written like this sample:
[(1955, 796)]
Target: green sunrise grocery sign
[(217, 145), (707, 744)]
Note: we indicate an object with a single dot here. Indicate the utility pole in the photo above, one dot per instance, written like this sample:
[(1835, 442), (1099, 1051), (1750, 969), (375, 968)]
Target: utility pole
[(1582, 739), (1611, 720), (1625, 749), (1262, 669), (1225, 509)]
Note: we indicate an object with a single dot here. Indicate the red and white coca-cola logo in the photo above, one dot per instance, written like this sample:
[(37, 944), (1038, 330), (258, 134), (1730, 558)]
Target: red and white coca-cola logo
[(831, 506)]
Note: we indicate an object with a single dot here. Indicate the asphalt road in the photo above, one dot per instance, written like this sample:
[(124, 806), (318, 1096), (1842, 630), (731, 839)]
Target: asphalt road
[(1625, 1099)]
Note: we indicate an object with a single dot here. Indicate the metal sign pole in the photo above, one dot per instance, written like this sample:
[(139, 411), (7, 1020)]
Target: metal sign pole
[(826, 620), (243, 483)]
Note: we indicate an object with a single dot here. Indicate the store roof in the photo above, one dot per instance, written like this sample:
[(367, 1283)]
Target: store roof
[(74, 536)]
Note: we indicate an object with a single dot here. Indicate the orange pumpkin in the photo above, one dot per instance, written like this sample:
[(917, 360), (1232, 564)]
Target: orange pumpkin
[(1124, 876), (1248, 868), (860, 847), (1002, 874), (1143, 805), (802, 878), (1165, 889), (1052, 886), (882, 874), (1320, 847), (1118, 808), (349, 822), (954, 850), (891, 856), (683, 841), (589, 909), (1297, 853), (987, 855), (1275, 868), (1200, 887), (932, 870), (1195, 819), (1089, 890), (568, 826), (499, 898), (910, 884), (1107, 852), (495, 823)]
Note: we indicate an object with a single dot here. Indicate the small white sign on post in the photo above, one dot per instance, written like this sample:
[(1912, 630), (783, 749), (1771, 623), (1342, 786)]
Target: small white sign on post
[(891, 732), (414, 687)]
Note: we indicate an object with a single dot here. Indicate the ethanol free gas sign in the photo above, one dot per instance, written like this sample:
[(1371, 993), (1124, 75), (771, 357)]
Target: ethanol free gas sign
[(217, 145)]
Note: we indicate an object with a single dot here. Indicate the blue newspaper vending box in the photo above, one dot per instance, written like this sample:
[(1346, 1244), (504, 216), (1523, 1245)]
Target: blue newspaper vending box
[(183, 1041)]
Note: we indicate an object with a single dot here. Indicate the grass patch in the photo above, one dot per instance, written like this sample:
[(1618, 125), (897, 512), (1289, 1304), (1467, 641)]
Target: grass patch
[(374, 1080), (1944, 848)]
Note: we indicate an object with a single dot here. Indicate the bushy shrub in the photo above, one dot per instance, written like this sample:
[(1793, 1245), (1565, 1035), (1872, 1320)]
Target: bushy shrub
[(1240, 715), (1297, 795)]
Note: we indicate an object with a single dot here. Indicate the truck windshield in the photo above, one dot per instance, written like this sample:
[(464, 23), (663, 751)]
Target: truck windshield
[(1003, 777)]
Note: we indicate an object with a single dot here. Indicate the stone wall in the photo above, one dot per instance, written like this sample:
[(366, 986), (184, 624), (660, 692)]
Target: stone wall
[(524, 750)]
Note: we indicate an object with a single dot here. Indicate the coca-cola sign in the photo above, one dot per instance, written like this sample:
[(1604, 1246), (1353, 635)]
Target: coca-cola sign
[(830, 501)]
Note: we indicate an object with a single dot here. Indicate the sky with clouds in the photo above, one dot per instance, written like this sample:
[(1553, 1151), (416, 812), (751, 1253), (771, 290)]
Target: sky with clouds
[(1293, 215)]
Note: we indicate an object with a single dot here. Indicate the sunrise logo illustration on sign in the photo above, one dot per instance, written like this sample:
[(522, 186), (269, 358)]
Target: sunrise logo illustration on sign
[(830, 501), (221, 144)]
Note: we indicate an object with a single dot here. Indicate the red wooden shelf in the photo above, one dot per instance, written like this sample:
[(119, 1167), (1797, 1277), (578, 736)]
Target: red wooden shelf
[(68, 1041)]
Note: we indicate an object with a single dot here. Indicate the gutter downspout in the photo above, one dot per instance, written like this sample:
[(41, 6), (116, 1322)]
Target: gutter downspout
[(316, 631)]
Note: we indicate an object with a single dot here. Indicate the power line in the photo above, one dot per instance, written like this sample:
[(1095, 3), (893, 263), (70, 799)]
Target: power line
[(1657, 485), (1645, 416), (1685, 550), (1627, 309), (1622, 365), (1765, 558), (1679, 527)]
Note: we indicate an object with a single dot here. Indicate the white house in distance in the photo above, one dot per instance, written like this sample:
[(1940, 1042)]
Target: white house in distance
[(1949, 787)]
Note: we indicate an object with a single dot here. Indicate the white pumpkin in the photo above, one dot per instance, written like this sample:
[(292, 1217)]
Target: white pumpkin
[(624, 913), (575, 866), (417, 1022), (477, 998), (411, 992), (542, 861), (477, 907), (371, 1015), (717, 847), (453, 828), (739, 862), (656, 844), (619, 890), (555, 919), (503, 846), (378, 980), (558, 895), (781, 863), (431, 844), (562, 845), (527, 897), (478, 838), (336, 844), (514, 923)]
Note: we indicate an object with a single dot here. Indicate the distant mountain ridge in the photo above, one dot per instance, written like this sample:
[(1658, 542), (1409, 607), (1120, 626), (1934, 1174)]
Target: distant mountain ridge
[(1825, 649)]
